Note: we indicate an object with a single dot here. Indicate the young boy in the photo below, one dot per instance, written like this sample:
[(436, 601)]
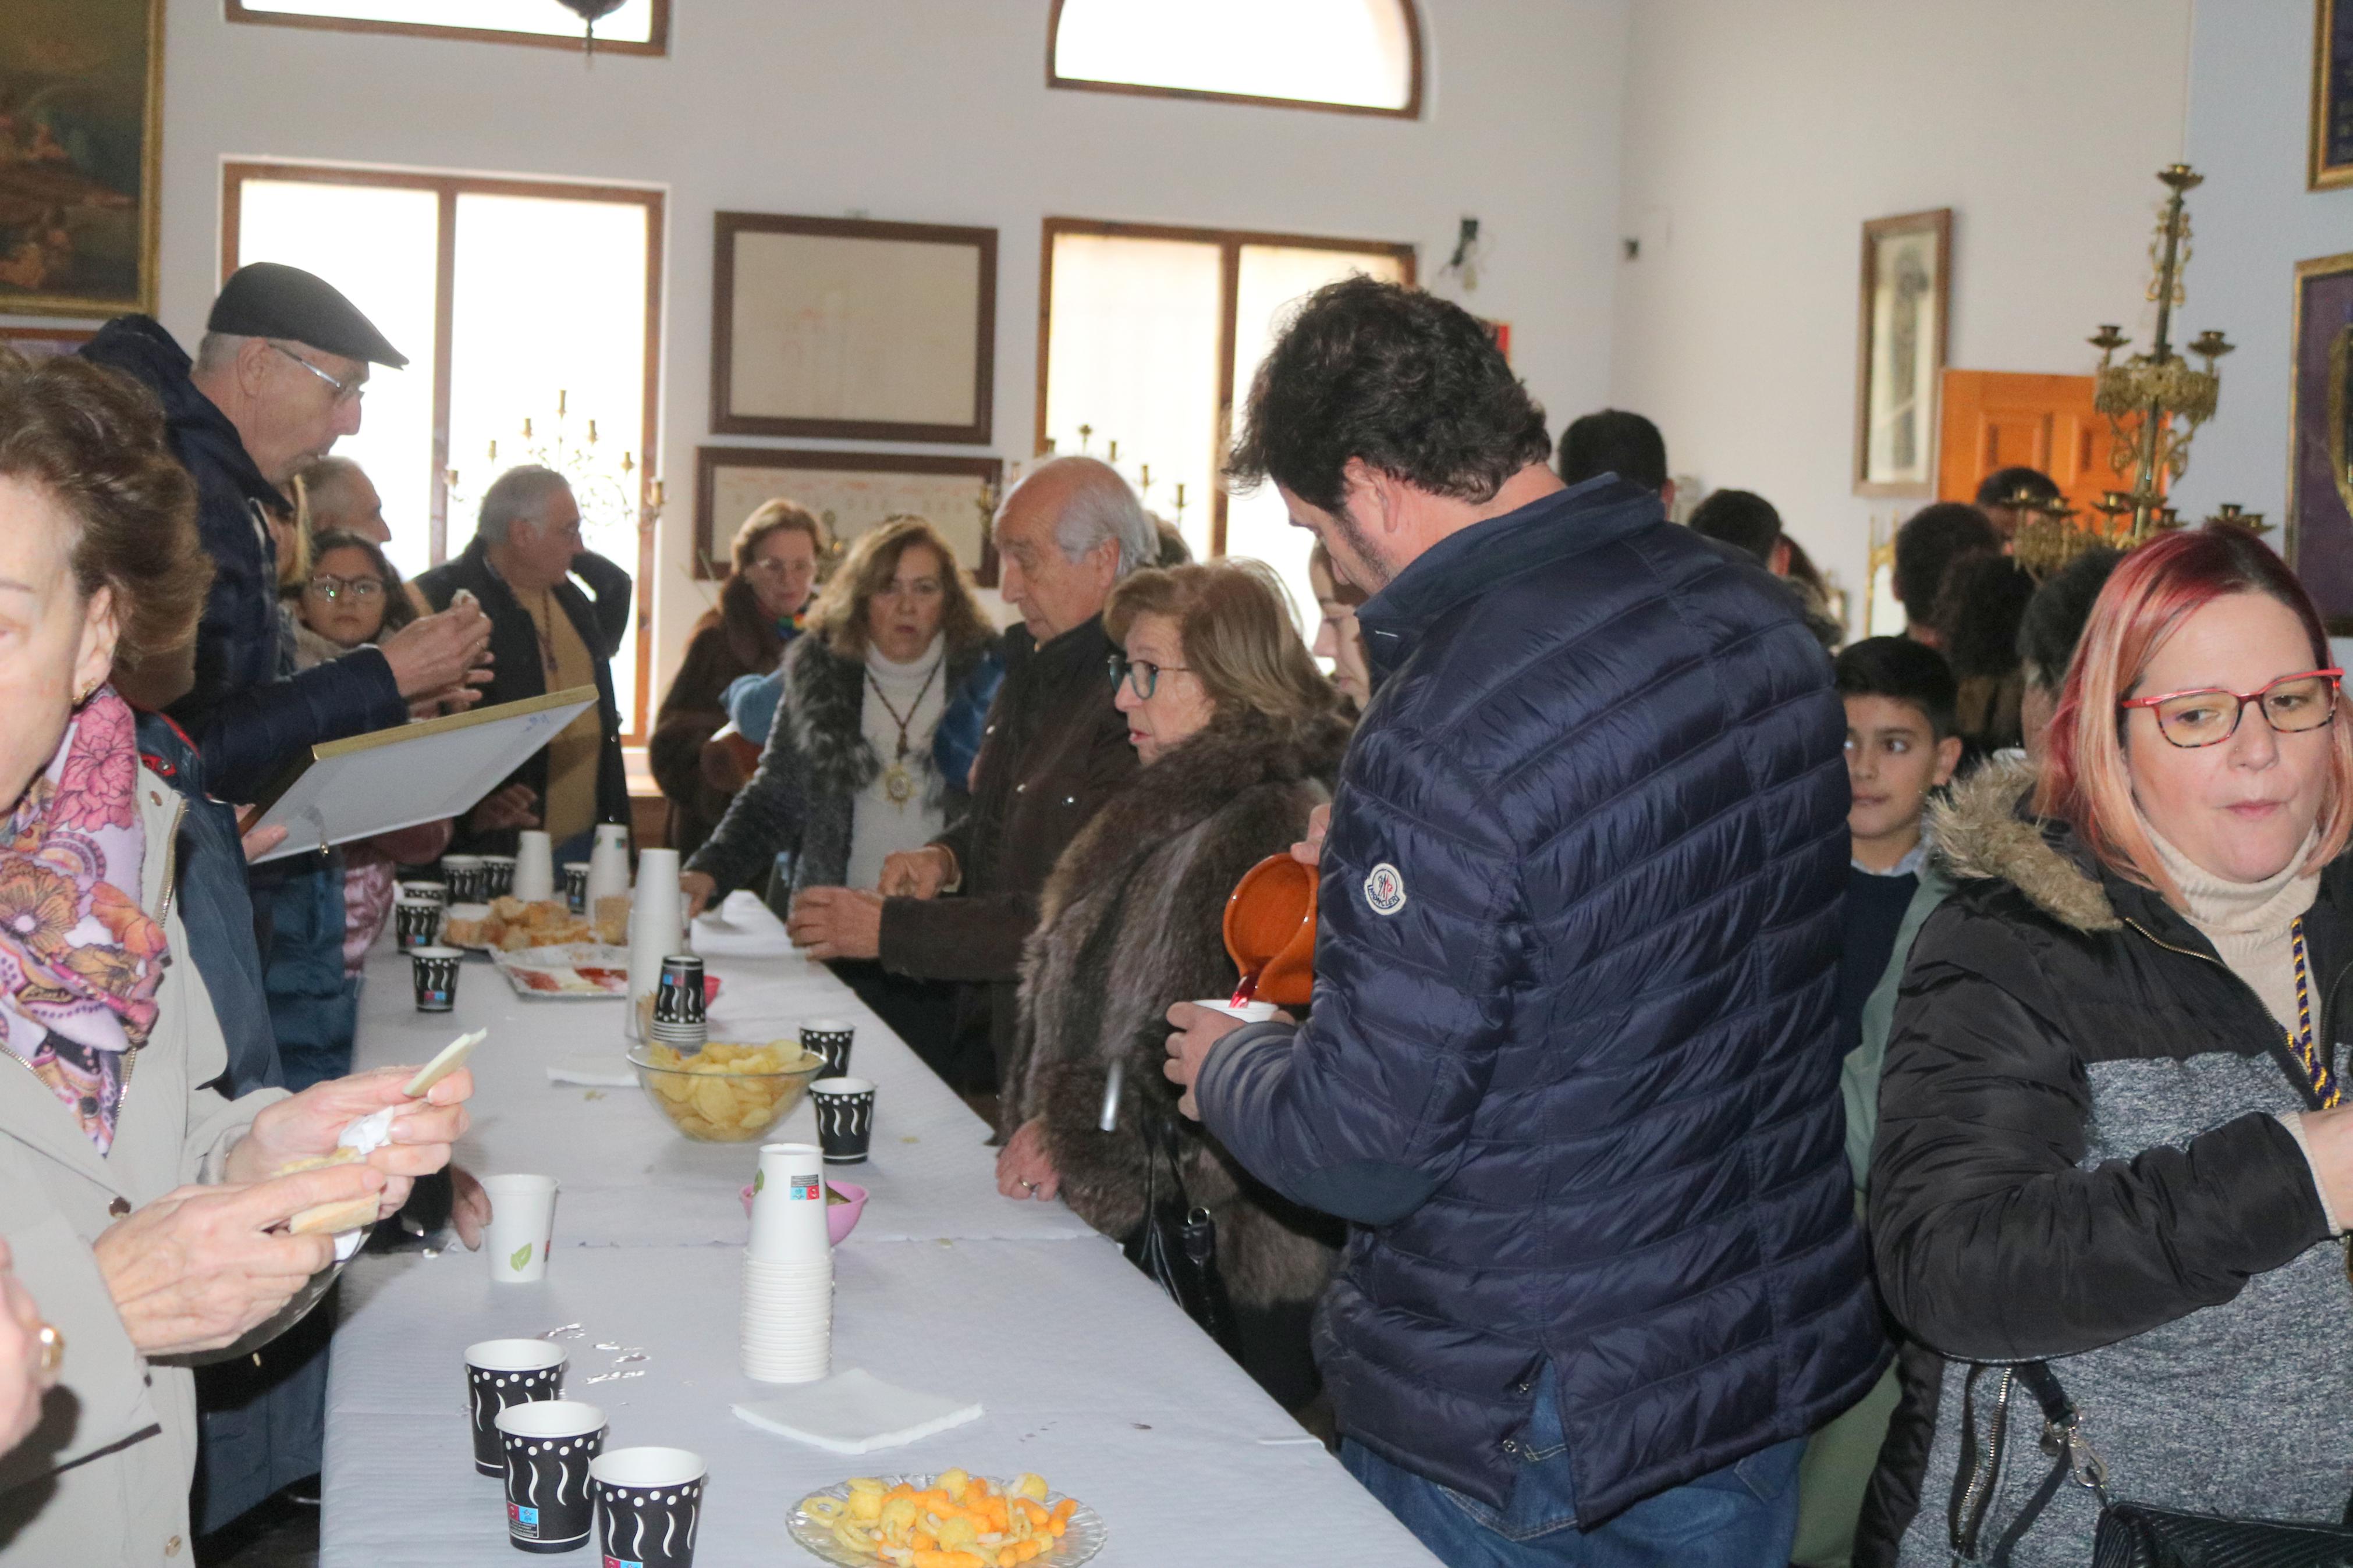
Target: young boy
[(1900, 744)]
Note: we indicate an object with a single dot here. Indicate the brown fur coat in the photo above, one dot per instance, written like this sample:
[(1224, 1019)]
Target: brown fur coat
[(1131, 922)]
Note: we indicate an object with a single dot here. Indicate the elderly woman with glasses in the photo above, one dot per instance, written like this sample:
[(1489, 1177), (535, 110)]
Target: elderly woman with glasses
[(2113, 1167), (1241, 737), (778, 555)]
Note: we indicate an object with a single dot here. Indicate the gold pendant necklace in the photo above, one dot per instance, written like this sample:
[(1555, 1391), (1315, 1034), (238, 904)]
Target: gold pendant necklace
[(898, 779)]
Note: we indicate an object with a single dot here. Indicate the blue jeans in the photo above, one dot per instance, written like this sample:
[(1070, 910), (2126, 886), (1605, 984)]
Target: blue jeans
[(1742, 1516)]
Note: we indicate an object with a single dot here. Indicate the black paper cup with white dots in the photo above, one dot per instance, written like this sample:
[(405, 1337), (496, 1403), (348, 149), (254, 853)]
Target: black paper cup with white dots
[(648, 1506), (549, 1447), (831, 1038), (500, 1374), (845, 1118)]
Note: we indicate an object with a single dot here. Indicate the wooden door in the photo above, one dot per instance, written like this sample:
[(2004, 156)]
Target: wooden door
[(1994, 419)]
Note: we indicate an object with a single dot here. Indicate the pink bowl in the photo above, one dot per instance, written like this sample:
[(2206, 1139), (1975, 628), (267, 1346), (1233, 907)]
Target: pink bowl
[(841, 1218)]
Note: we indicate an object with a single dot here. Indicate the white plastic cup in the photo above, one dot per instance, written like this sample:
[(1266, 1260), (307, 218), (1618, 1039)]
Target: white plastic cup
[(608, 865), (788, 1205), (523, 1227), (655, 914), (534, 871), (1249, 1012)]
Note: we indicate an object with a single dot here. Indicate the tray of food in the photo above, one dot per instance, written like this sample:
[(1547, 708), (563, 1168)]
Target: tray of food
[(949, 1521), (575, 970), (513, 925)]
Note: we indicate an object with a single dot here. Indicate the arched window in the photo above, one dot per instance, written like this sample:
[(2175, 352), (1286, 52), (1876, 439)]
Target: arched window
[(1358, 57)]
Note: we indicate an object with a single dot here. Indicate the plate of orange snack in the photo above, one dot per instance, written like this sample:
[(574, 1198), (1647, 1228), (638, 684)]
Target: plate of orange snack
[(952, 1520)]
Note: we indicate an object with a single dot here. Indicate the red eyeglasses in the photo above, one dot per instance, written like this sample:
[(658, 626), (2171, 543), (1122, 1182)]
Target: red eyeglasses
[(2209, 715)]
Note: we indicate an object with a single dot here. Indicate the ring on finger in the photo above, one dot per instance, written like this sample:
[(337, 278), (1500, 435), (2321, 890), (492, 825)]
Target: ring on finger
[(1029, 1186), (53, 1349)]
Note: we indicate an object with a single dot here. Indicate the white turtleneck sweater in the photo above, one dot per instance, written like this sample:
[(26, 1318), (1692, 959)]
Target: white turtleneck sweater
[(878, 826), (2251, 926)]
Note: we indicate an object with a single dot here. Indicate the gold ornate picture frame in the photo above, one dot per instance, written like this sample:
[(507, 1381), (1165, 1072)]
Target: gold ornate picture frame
[(2318, 538), (1900, 335), (2329, 160)]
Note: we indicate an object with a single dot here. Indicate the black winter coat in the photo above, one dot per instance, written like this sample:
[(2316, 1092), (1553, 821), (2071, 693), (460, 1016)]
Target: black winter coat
[(249, 725), (2080, 1159), (518, 672), (1571, 1067)]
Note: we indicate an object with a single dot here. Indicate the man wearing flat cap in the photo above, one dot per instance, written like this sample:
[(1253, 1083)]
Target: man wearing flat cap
[(276, 380)]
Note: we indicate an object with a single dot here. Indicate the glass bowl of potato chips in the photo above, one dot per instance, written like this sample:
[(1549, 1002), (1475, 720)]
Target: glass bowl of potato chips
[(726, 1093)]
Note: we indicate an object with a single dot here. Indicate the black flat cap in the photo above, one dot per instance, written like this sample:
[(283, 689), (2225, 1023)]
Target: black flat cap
[(271, 300)]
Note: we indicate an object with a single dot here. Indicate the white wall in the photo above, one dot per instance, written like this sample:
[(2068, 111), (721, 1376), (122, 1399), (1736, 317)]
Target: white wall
[(1759, 138), (936, 110), (2249, 85)]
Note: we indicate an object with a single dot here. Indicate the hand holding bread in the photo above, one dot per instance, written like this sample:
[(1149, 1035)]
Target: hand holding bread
[(306, 1128)]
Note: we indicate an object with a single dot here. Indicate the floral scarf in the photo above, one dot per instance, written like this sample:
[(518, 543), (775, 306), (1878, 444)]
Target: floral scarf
[(79, 961)]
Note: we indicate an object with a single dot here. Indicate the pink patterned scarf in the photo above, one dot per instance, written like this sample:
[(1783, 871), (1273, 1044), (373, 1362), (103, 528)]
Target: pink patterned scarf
[(79, 960)]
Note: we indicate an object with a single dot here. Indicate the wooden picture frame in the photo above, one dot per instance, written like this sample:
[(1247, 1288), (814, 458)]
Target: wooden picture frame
[(45, 342), (1900, 336), (2328, 156), (851, 330), (81, 187), (656, 43), (2318, 536), (850, 492)]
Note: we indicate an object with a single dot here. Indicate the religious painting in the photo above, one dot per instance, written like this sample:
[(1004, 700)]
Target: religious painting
[(1900, 352), (2319, 543), (81, 100), (840, 327), (850, 492), (2329, 161)]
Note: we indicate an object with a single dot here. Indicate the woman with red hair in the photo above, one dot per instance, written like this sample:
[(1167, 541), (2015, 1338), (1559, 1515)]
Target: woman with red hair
[(2112, 1170)]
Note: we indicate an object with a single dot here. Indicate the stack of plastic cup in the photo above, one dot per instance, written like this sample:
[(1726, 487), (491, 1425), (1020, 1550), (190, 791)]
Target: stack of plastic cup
[(656, 916), (608, 865), (535, 868), (788, 1269)]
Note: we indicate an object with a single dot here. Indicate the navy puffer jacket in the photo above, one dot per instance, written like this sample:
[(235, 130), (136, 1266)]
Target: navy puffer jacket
[(1571, 1068), (249, 725)]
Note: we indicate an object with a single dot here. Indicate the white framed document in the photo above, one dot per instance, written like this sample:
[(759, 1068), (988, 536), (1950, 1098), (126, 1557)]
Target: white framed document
[(396, 778)]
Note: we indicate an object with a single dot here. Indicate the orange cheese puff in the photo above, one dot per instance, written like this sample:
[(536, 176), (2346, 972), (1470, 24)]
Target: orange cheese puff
[(1063, 1510), (922, 1542)]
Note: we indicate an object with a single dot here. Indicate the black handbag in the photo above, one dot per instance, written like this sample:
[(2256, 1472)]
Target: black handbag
[(2130, 1534), (1176, 1244)]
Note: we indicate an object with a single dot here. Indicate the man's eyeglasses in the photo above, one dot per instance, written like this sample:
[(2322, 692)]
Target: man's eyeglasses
[(330, 587), (2209, 715), (1142, 676), (350, 391)]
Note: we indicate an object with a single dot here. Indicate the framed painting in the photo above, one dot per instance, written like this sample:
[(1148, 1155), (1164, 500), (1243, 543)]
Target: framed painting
[(1900, 352), (851, 491), (45, 342), (840, 327), (2329, 161), (81, 127), (2319, 534)]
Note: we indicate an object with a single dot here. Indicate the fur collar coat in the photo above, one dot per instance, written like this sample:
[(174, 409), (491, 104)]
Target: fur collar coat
[(1132, 921), (816, 763)]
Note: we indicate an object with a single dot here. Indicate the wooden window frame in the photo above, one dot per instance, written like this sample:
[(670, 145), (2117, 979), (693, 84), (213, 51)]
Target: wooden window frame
[(448, 188), (657, 41), (1411, 110), (1229, 242)]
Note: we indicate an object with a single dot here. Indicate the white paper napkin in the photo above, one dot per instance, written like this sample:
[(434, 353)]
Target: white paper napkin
[(742, 927), (594, 1072), (854, 1413)]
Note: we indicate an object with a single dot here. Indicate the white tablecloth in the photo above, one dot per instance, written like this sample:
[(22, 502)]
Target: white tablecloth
[(1088, 1374), (630, 1178)]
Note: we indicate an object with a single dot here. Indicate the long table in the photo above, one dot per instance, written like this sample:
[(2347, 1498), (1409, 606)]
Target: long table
[(1088, 1374)]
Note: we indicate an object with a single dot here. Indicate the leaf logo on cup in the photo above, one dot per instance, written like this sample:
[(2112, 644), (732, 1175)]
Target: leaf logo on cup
[(759, 1182), (522, 1258)]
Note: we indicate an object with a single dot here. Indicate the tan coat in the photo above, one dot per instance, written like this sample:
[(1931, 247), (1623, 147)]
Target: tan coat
[(103, 1480)]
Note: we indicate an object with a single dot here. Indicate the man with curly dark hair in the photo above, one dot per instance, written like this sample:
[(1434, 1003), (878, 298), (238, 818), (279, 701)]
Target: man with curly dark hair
[(1570, 1073)]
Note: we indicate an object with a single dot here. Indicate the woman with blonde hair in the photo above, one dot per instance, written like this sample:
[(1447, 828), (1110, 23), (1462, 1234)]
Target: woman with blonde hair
[(778, 553), (1241, 736), (848, 774), (2113, 1167)]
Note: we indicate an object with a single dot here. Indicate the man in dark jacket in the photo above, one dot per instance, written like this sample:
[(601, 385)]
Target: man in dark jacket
[(1053, 750), (278, 378), (547, 636), (1570, 1070)]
